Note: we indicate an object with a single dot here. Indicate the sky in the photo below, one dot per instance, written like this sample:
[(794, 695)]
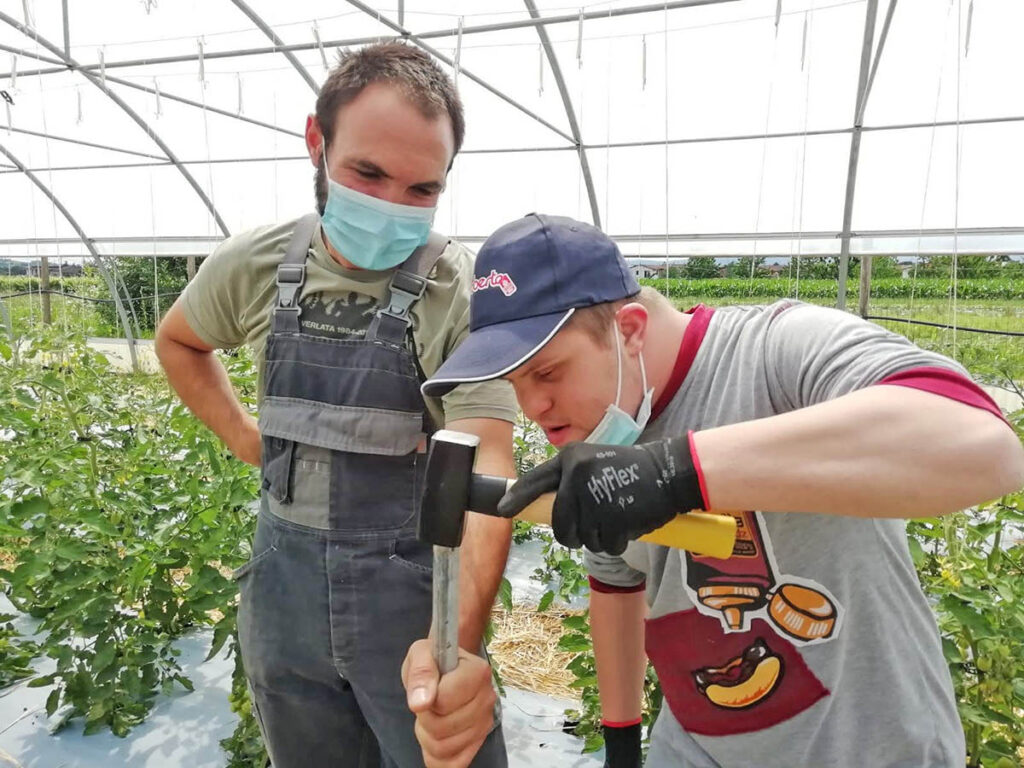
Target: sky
[(716, 71)]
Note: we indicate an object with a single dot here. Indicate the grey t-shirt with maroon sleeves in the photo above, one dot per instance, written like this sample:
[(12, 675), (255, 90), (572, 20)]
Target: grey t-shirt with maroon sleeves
[(813, 645)]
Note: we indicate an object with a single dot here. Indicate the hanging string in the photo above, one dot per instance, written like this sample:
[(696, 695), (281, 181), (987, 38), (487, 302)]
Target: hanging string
[(608, 135), (28, 14), (78, 98), (212, 228), (959, 159), (665, 46), (643, 63), (457, 62), (7, 109), (103, 69), (803, 151), (540, 70), (14, 71), (967, 35), (764, 158), (778, 15), (579, 42), (202, 64), (928, 171), (156, 276), (320, 44), (156, 93), (803, 44), (273, 107), (241, 108)]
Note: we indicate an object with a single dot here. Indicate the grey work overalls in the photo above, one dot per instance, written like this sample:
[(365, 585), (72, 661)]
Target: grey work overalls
[(338, 586)]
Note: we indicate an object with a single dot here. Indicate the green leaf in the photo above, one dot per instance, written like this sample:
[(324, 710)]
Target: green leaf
[(104, 657), (30, 507), (917, 552), (185, 682), (574, 643), (966, 615), (52, 702), (545, 601), (220, 635), (40, 682), (578, 623), (505, 594)]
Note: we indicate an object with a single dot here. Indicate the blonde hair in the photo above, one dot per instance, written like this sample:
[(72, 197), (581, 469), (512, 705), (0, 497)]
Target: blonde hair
[(596, 319)]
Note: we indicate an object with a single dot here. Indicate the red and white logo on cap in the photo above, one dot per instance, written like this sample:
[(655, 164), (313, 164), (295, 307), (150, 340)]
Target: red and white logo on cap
[(495, 280)]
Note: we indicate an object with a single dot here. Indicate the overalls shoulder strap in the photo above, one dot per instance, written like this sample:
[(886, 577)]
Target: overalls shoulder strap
[(391, 323), (291, 275)]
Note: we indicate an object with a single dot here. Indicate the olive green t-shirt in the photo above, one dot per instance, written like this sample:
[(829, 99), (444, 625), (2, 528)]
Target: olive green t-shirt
[(231, 299)]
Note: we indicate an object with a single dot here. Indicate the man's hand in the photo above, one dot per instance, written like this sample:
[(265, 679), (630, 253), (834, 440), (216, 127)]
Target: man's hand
[(248, 445), (609, 495), (453, 715)]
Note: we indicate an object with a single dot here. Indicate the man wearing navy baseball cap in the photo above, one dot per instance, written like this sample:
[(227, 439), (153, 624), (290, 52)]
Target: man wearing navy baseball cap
[(812, 644)]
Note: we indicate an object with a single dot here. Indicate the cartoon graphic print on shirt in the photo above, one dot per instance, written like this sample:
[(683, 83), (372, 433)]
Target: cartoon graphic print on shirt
[(732, 663)]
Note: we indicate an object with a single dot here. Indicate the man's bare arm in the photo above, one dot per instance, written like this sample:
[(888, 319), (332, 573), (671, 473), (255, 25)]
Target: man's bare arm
[(486, 540), (202, 383), (884, 451)]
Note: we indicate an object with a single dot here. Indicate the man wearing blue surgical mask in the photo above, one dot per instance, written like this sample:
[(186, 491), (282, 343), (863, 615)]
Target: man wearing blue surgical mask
[(348, 310)]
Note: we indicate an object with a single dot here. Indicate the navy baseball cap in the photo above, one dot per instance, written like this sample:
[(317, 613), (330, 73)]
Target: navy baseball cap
[(530, 276)]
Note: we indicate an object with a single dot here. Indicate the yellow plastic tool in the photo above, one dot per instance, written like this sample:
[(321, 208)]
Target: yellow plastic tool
[(704, 533)]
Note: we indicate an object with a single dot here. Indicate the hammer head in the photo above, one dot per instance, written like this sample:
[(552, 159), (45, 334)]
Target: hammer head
[(446, 488)]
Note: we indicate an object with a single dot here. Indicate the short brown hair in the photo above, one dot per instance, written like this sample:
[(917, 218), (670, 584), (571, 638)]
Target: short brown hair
[(596, 319), (414, 71)]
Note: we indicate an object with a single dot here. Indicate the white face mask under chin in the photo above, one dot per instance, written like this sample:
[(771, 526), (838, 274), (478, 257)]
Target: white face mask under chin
[(616, 426)]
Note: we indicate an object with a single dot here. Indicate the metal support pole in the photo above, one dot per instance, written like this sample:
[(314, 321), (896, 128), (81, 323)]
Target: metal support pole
[(402, 33), (445, 608), (67, 29), (44, 289), (570, 113), (851, 173)]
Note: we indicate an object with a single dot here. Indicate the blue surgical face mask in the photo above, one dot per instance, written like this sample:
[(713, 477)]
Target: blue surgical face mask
[(616, 426), (372, 233)]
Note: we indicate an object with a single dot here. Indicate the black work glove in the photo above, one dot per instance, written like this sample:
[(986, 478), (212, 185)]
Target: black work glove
[(609, 495), (622, 746)]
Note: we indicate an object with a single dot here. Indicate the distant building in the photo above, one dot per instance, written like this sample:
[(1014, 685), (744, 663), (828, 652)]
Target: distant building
[(646, 271)]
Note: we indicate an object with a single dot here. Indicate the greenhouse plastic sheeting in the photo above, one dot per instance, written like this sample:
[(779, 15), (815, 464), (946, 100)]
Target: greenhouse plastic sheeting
[(679, 110)]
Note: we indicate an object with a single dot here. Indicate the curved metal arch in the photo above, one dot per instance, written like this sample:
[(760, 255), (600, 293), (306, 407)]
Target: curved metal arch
[(256, 19), (107, 276), (406, 34), (34, 35), (570, 113)]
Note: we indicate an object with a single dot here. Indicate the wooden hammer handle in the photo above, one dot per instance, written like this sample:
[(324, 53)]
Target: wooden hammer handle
[(704, 533)]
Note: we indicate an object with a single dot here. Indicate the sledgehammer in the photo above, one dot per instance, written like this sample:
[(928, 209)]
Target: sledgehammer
[(451, 488)]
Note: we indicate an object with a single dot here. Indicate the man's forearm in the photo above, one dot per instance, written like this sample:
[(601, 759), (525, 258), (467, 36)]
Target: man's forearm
[(481, 566), (486, 539), (617, 629), (881, 452), (202, 383)]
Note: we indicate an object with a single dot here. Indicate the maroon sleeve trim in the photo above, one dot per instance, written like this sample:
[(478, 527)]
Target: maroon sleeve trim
[(942, 381), (611, 589), (692, 338)]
